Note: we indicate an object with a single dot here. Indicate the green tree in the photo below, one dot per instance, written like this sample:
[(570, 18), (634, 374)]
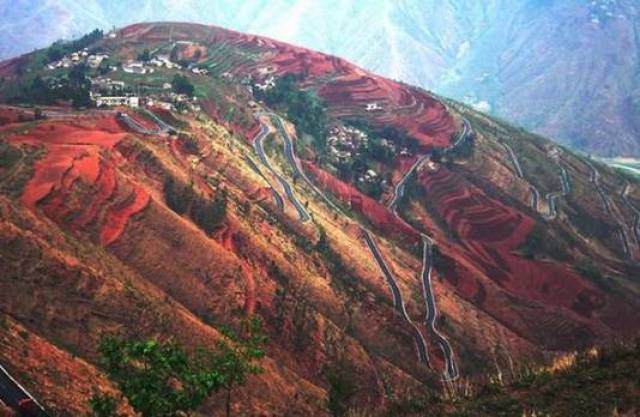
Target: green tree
[(178, 196), (237, 356), (55, 52), (182, 85), (144, 56), (160, 379), (342, 388), (210, 215), (103, 405)]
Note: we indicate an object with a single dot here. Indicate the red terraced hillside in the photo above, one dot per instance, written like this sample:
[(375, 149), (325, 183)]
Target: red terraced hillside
[(486, 269), (119, 223), (371, 209), (81, 155), (346, 88)]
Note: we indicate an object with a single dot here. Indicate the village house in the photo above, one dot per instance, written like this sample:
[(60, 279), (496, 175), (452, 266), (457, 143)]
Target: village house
[(133, 102), (373, 107), (136, 67), (200, 71), (268, 84), (94, 61)]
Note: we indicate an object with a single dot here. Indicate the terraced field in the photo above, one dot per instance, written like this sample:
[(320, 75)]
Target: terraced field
[(465, 262), (77, 157)]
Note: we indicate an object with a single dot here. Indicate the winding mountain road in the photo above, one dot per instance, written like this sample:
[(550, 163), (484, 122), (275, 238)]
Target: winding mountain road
[(398, 302), (277, 198), (163, 125), (451, 370), (137, 126), (552, 199), (595, 180), (398, 191), (288, 189), (535, 197), (606, 203), (514, 160), (295, 163), (564, 180), (636, 212), (17, 397)]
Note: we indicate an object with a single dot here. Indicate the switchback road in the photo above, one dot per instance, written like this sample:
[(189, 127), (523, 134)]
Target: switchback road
[(259, 148)]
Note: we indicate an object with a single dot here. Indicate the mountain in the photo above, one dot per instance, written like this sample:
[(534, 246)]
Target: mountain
[(565, 69), (383, 233)]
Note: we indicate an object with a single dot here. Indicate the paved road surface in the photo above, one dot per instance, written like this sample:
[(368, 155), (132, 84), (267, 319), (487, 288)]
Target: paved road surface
[(163, 125), (451, 371), (535, 197), (288, 190), (595, 180), (137, 126), (277, 198), (514, 160), (17, 397), (398, 302)]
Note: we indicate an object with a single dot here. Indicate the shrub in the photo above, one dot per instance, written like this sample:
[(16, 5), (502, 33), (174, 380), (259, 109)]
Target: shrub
[(182, 85)]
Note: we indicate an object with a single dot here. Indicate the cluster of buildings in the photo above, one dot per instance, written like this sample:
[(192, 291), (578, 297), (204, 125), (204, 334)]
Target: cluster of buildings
[(75, 58), (110, 93), (263, 79), (267, 84), (107, 92), (344, 142), (156, 62), (169, 100)]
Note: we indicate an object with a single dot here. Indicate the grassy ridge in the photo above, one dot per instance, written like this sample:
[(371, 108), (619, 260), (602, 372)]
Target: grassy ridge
[(596, 383)]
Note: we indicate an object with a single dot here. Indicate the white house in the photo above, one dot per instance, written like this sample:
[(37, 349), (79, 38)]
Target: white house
[(373, 106), (134, 67), (133, 102)]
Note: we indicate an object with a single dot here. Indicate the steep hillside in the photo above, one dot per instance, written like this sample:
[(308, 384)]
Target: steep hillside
[(371, 224), (566, 69)]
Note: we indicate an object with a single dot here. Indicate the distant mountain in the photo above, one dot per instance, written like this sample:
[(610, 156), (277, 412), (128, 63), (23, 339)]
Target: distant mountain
[(566, 69)]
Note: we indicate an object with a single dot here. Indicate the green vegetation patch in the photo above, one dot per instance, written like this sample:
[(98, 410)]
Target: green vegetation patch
[(304, 108)]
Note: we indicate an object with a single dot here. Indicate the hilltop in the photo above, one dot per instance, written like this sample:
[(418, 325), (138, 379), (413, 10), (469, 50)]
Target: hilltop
[(566, 70), (373, 225)]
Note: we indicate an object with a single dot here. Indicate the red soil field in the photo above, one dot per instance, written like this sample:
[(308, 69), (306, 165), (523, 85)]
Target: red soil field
[(347, 94), (11, 115), (65, 143), (76, 151), (117, 217), (85, 168), (106, 186), (377, 213), (490, 232)]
